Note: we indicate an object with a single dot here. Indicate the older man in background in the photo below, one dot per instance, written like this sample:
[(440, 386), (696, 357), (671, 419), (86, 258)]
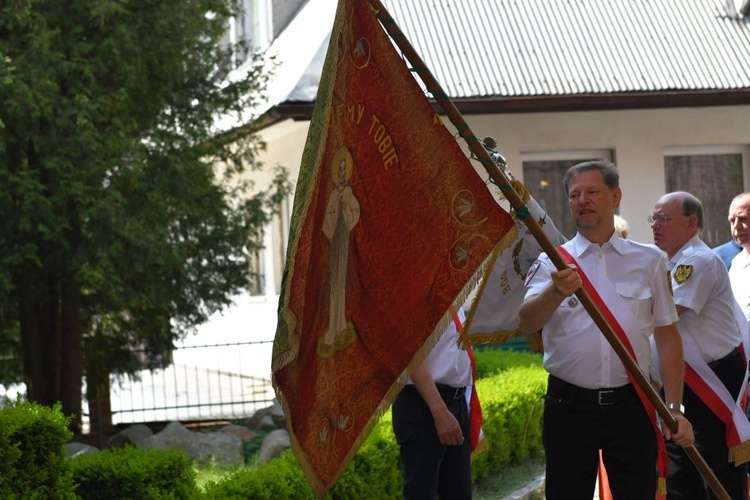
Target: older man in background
[(739, 273), (715, 346)]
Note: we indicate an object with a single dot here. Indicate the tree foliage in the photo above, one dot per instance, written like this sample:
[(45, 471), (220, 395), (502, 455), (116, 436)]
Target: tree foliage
[(117, 226)]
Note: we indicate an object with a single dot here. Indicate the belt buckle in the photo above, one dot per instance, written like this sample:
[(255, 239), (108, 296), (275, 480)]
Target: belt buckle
[(605, 397), (457, 393)]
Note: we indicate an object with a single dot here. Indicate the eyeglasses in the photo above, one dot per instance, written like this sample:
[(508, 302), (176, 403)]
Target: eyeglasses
[(661, 219)]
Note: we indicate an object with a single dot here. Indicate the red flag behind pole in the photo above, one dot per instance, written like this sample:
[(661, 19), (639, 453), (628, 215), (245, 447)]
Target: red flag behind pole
[(389, 228)]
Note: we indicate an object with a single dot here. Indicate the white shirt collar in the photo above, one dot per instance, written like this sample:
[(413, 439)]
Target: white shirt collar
[(687, 249), (581, 244)]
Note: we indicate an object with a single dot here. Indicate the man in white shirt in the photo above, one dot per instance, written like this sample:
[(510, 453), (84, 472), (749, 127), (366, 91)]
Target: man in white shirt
[(591, 404), (714, 337), (739, 273), (431, 422)]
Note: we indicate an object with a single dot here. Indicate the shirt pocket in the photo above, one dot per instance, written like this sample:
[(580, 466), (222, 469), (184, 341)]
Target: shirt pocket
[(638, 300)]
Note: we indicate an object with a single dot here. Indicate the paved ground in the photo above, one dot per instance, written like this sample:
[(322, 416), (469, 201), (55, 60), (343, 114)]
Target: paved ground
[(535, 491)]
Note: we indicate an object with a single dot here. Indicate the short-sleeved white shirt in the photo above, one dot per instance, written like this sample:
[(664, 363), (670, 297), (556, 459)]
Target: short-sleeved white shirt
[(739, 277), (447, 362), (575, 350), (701, 285)]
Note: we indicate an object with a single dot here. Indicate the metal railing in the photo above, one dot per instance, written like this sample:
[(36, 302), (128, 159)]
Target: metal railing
[(205, 382)]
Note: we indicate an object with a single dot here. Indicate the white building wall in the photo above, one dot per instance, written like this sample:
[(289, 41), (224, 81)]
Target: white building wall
[(637, 139)]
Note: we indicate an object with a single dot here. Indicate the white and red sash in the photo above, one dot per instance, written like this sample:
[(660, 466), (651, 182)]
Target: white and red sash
[(704, 383), (662, 461), (476, 434)]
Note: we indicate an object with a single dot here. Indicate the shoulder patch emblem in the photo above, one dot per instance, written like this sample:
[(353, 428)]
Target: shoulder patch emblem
[(682, 273), (532, 271), (669, 282)]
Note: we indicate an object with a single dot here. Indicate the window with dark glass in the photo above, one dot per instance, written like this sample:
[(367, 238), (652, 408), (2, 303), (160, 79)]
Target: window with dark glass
[(714, 179)]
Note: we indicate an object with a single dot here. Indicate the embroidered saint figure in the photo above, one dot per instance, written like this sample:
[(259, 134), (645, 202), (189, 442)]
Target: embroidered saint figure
[(342, 214)]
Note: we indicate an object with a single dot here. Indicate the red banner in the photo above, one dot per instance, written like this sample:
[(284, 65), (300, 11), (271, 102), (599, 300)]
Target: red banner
[(390, 227)]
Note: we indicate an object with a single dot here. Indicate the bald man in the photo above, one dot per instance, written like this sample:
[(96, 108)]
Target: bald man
[(739, 273), (712, 330)]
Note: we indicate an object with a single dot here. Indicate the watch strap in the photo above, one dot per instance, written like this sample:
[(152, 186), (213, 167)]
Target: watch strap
[(676, 406)]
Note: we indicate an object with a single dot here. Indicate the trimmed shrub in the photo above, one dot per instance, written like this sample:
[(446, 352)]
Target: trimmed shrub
[(491, 360), (129, 472), (32, 453), (512, 404), (280, 478), (512, 407), (373, 474)]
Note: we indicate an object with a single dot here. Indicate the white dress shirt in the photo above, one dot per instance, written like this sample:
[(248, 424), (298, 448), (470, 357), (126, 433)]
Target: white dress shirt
[(575, 350), (448, 363), (739, 277), (701, 285)]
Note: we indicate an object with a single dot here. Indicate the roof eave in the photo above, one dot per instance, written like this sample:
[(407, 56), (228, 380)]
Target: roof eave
[(557, 103)]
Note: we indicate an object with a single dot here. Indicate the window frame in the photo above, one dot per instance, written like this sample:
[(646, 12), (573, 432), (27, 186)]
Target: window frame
[(711, 150)]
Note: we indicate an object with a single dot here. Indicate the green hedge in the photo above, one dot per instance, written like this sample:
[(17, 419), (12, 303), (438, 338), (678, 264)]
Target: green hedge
[(511, 387), (374, 474), (278, 478), (493, 360), (129, 472), (32, 453), (512, 407), (511, 391)]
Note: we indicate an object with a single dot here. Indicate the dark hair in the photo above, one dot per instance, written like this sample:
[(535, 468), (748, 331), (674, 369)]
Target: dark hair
[(608, 171), (693, 206)]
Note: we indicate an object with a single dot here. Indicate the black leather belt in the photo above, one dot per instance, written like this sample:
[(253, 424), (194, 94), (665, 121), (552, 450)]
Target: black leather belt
[(732, 354), (451, 392), (602, 397)]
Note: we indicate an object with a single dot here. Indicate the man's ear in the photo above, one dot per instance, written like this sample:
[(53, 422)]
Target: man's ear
[(692, 222), (617, 196)]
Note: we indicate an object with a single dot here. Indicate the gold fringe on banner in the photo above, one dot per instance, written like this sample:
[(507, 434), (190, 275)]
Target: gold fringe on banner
[(739, 454)]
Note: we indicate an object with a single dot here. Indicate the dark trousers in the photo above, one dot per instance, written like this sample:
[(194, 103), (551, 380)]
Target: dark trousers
[(431, 470), (684, 481), (577, 423)]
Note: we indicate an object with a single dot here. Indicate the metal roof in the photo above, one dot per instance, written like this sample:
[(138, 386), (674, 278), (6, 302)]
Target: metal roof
[(528, 48), (541, 47)]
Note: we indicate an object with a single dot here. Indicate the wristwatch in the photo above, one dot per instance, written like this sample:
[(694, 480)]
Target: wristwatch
[(676, 406)]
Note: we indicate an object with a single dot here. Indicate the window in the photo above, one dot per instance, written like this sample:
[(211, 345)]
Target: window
[(253, 26), (280, 240), (543, 174), (256, 258), (713, 174), (268, 255), (249, 30)]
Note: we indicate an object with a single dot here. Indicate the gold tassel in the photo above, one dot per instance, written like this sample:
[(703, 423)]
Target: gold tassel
[(535, 342), (740, 453), (661, 485)]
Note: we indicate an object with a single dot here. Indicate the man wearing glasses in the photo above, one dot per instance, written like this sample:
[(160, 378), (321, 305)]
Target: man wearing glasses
[(714, 337), (591, 404)]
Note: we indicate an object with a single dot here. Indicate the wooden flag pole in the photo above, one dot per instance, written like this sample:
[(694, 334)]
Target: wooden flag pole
[(522, 211)]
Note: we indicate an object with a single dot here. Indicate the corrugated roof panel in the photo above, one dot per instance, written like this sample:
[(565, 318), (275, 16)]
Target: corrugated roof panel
[(480, 48)]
